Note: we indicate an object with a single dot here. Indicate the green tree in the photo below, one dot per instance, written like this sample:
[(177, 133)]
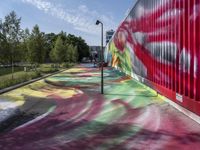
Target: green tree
[(50, 39), (76, 55), (82, 47), (63, 36), (58, 52), (4, 46), (10, 38), (36, 46), (69, 53), (2, 41), (72, 54), (22, 47)]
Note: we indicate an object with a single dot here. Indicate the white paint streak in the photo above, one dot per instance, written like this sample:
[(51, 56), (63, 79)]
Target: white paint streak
[(37, 119)]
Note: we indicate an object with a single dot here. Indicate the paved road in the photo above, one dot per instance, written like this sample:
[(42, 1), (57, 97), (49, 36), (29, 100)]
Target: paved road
[(66, 112)]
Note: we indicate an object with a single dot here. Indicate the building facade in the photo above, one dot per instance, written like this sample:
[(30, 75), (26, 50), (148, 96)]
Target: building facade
[(109, 35)]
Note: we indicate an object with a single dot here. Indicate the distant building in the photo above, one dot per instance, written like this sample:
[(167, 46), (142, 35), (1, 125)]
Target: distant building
[(109, 35)]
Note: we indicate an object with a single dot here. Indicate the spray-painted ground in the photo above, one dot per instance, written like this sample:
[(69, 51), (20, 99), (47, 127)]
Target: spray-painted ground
[(67, 112)]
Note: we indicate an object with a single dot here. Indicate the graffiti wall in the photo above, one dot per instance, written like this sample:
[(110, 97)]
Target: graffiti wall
[(159, 42)]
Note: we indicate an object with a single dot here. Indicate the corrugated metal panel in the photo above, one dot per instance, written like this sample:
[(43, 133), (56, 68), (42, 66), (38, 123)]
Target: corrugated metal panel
[(163, 40)]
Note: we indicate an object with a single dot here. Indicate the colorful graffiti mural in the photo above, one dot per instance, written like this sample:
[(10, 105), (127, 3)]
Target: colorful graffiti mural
[(160, 42), (69, 113)]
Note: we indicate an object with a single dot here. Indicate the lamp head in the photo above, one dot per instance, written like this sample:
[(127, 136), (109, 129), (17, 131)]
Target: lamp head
[(98, 22)]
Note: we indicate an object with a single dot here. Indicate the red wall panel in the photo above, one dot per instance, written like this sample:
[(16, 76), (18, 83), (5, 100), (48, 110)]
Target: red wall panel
[(163, 40)]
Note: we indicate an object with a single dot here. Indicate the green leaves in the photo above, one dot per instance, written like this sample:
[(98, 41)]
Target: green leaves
[(36, 46), (9, 38), (58, 52), (11, 28), (81, 46), (19, 45), (69, 48)]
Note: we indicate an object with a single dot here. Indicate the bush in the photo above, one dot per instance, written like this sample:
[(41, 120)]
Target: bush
[(20, 77), (67, 65), (47, 68)]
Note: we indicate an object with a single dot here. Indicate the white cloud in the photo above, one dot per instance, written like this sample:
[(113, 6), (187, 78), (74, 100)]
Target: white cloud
[(82, 19), (83, 8)]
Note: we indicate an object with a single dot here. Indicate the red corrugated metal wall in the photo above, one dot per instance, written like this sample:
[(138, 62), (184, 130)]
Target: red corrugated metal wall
[(163, 40)]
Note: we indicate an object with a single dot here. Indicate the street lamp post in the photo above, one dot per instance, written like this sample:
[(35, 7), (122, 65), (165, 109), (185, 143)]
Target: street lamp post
[(97, 23)]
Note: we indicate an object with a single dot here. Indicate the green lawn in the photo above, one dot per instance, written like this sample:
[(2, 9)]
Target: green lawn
[(21, 76), (8, 70), (43, 68)]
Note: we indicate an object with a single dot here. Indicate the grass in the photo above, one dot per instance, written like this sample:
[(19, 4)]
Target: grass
[(47, 68), (20, 76), (50, 68), (8, 70)]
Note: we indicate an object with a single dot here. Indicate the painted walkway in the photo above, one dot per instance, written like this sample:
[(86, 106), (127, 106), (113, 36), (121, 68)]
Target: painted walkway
[(66, 112)]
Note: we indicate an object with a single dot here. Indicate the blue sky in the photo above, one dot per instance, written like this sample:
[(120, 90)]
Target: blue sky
[(72, 16)]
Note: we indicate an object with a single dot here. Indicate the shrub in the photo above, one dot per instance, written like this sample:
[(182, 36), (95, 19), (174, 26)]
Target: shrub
[(48, 70), (67, 65)]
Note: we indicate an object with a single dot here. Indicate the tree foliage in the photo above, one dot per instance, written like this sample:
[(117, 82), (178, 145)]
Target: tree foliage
[(19, 45), (80, 44), (35, 45), (50, 40), (10, 38), (72, 53), (58, 52), (25, 35)]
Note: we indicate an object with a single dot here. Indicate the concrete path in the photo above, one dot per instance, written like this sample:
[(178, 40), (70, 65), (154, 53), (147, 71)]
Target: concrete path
[(66, 112)]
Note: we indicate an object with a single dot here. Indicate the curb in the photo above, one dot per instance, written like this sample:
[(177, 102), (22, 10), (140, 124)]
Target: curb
[(29, 82)]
